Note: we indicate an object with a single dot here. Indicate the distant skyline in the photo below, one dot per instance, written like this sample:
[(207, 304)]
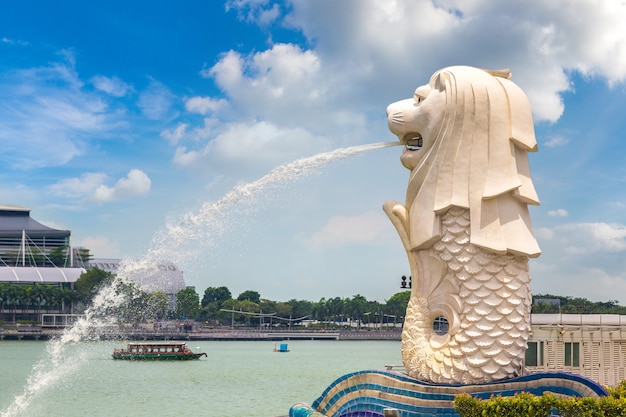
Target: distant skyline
[(120, 121)]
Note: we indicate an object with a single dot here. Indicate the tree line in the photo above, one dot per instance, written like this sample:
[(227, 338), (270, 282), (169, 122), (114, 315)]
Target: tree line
[(555, 304), (248, 309), (217, 305)]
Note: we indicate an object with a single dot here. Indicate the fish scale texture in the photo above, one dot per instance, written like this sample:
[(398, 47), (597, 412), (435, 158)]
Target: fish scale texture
[(485, 298)]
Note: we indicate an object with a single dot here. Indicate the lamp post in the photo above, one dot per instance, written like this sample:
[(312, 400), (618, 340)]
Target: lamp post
[(404, 284)]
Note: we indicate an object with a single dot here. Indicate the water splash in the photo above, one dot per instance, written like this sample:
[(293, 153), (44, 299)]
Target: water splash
[(58, 361), (211, 220)]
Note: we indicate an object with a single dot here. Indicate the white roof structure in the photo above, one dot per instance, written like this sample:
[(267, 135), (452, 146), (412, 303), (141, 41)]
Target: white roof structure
[(164, 276), (21, 274)]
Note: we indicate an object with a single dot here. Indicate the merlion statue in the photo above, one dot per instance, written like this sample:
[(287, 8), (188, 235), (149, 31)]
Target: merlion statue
[(465, 225)]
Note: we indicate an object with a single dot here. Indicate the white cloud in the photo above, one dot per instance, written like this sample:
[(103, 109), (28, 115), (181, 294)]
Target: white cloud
[(581, 259), (156, 101), (101, 247), (558, 213), (363, 229), (78, 187), (587, 238), (257, 11), (282, 85), (187, 158), (244, 147), (412, 39), (91, 187), (544, 233), (174, 136), (203, 105), (556, 141), (591, 282), (362, 54), (330, 89), (136, 183), (13, 41), (48, 117), (113, 86)]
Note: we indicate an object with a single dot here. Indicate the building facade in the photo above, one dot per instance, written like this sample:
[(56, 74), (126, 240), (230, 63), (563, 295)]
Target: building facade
[(591, 345), (39, 267)]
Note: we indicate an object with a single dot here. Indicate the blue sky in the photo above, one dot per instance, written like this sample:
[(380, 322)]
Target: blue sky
[(128, 123)]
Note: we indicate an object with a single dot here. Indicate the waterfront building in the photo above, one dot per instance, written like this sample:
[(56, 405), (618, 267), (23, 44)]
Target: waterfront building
[(33, 255), (591, 345)]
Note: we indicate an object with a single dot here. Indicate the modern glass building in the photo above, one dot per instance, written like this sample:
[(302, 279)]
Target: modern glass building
[(31, 252)]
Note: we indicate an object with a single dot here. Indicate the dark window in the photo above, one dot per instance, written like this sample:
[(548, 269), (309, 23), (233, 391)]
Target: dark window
[(440, 325), (534, 354), (572, 354)]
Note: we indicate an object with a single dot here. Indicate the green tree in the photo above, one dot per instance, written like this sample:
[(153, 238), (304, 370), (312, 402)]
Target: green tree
[(134, 308), (36, 257), (88, 284), (301, 308), (37, 296), (157, 304), (247, 306), (396, 305), (68, 298), (5, 295), (228, 316), (58, 256), (216, 295), (357, 307), (187, 303), (320, 311), (251, 296), (336, 308), (82, 256), (53, 298), (17, 299)]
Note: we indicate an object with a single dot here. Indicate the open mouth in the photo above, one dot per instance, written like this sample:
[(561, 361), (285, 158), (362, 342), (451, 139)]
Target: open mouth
[(413, 141)]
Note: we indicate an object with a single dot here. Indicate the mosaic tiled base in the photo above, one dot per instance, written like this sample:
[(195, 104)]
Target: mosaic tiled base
[(369, 393)]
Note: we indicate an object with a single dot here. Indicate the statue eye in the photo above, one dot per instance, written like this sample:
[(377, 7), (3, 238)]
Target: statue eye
[(421, 93)]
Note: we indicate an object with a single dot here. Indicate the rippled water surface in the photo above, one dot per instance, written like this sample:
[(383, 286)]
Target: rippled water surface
[(237, 379)]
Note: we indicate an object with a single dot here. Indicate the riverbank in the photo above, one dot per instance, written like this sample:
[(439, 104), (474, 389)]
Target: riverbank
[(210, 334)]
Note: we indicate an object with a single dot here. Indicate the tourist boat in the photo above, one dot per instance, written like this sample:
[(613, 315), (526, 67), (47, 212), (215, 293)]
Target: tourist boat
[(150, 351)]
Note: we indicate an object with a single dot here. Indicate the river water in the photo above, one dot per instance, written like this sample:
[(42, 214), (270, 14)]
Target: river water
[(239, 378)]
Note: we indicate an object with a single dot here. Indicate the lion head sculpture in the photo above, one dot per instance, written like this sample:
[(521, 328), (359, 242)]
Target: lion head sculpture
[(467, 134)]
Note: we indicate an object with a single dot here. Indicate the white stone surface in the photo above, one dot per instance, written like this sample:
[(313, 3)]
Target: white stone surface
[(465, 225)]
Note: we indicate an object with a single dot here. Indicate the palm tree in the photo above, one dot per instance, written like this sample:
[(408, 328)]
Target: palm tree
[(336, 308), (26, 299), (68, 297), (357, 306), (38, 297), (14, 296), (4, 291), (53, 298)]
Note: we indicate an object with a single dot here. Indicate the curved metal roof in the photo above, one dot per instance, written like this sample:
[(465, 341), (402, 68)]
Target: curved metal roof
[(39, 275), (14, 219)]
